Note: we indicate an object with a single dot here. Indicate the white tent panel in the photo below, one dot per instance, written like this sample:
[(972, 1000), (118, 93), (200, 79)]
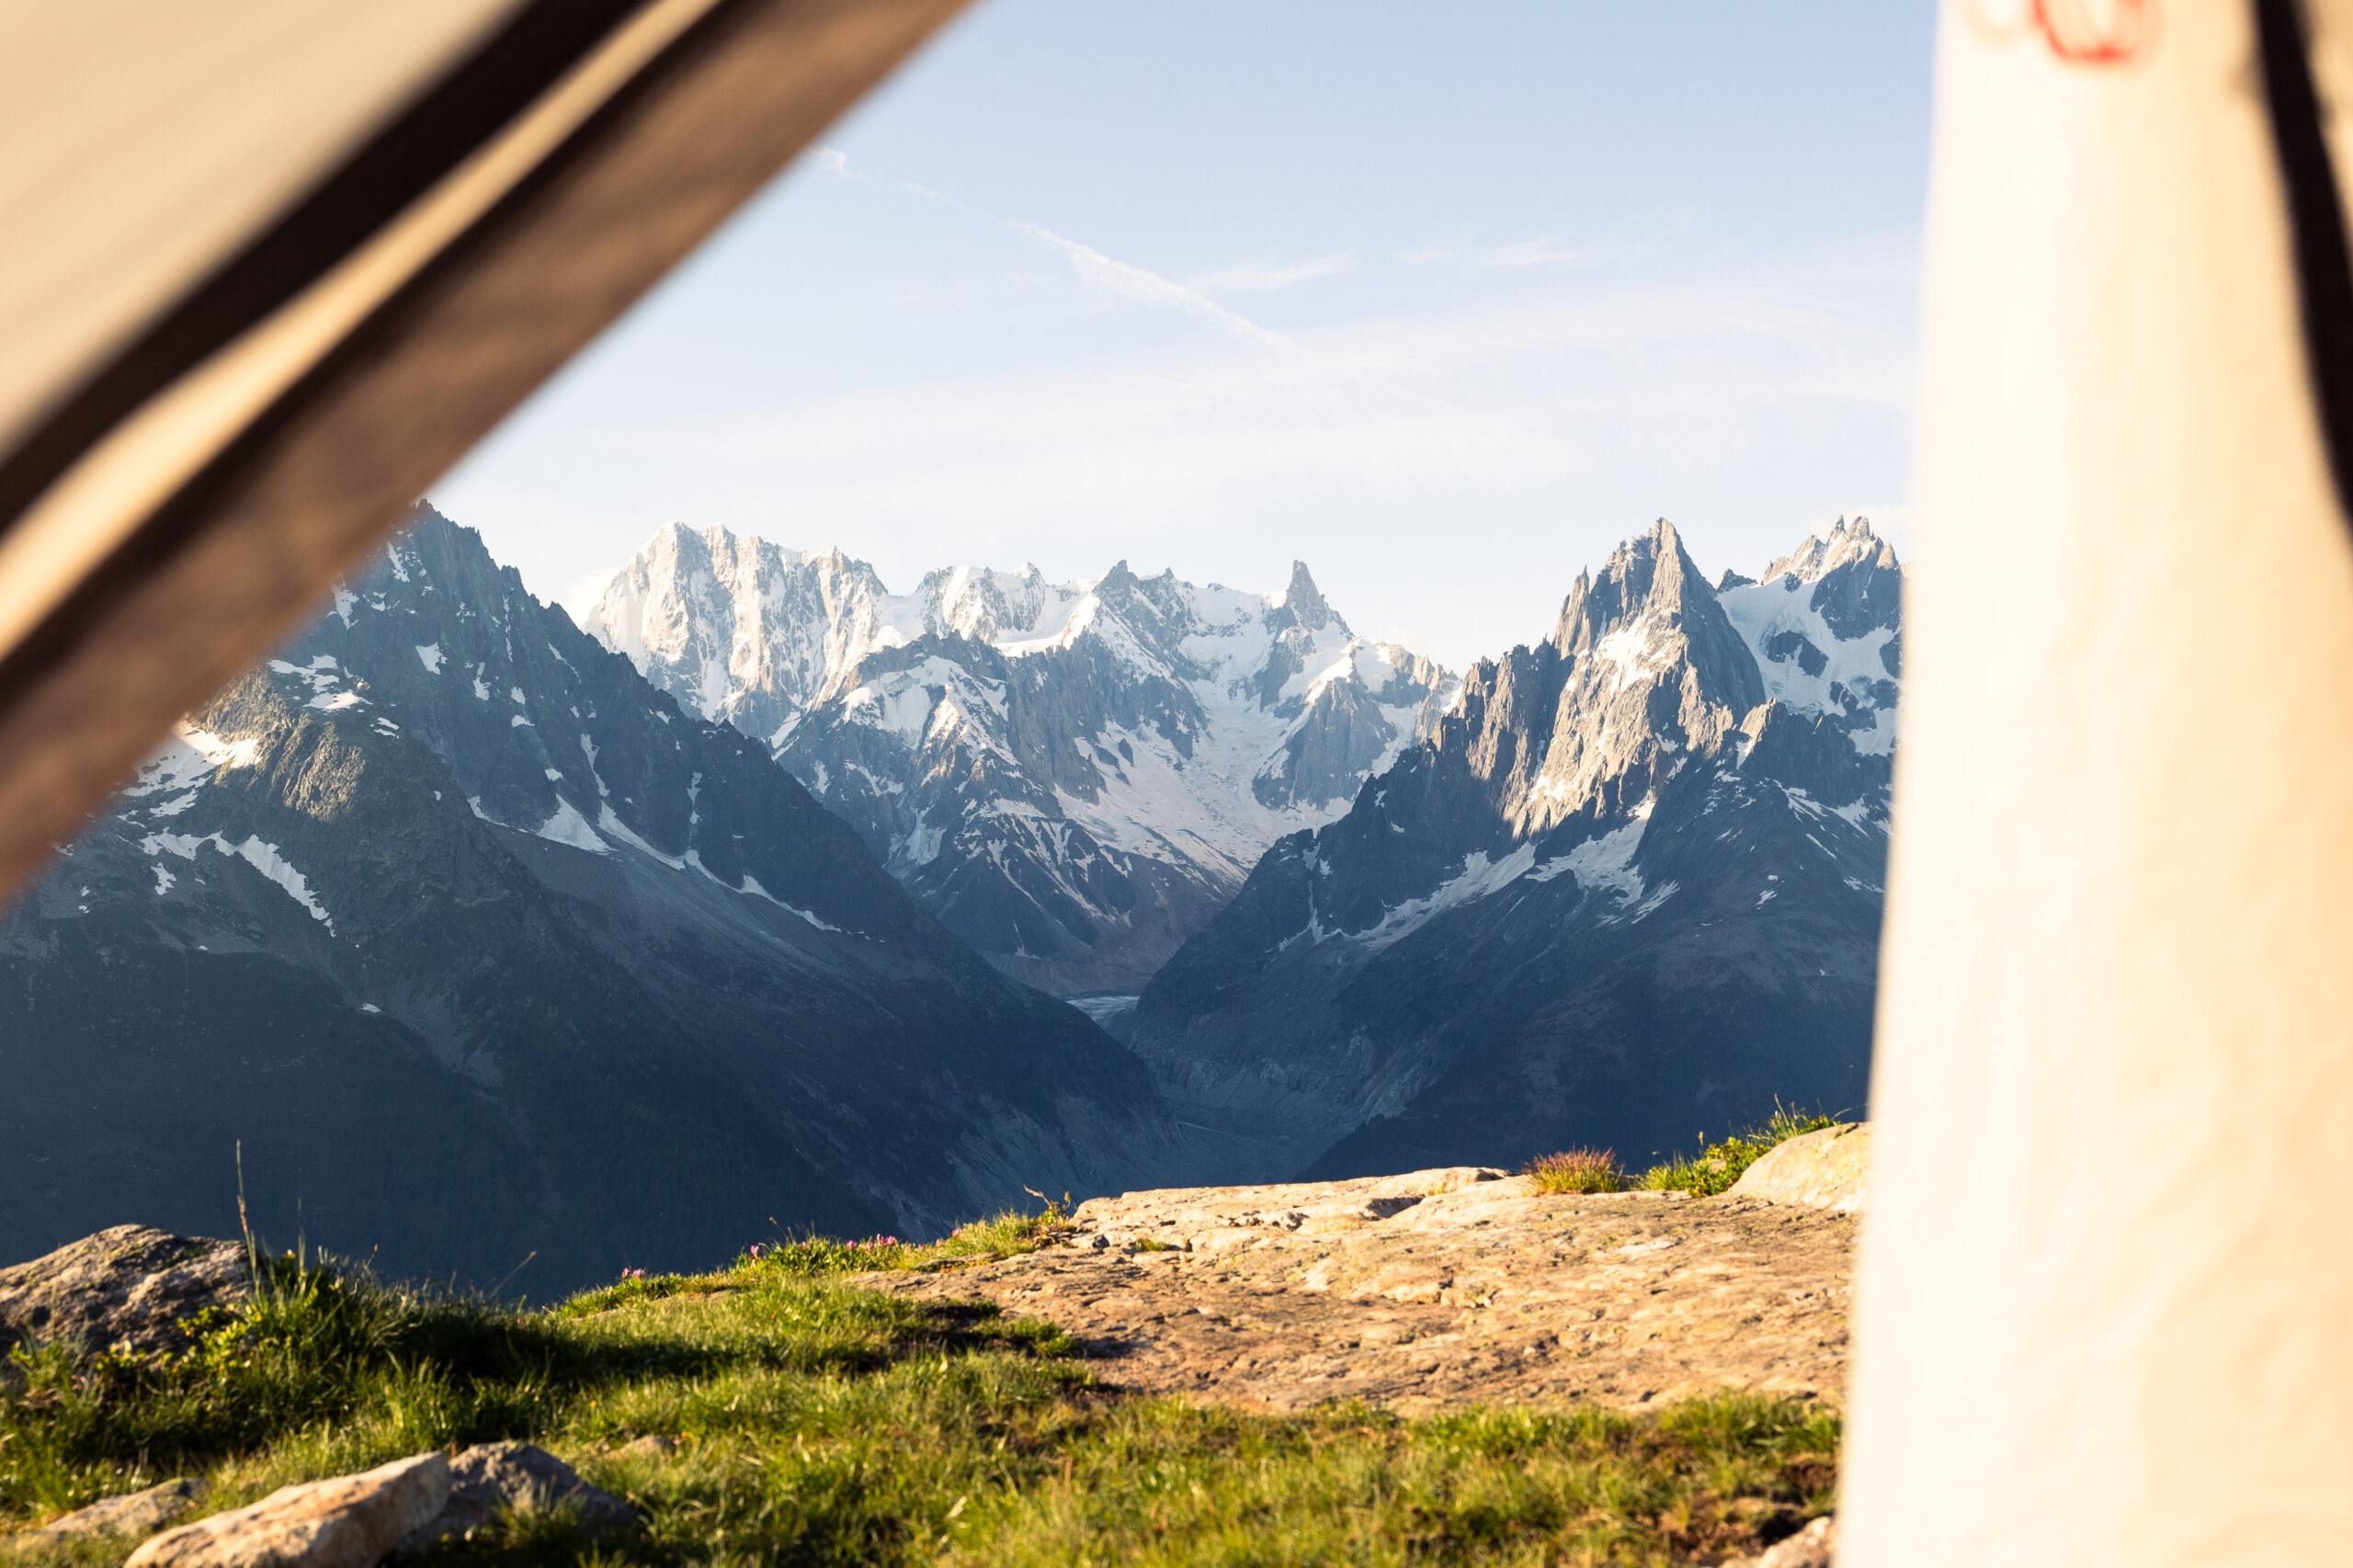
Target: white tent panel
[(2106, 1306)]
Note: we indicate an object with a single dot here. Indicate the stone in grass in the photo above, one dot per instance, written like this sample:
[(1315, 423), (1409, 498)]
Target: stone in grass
[(653, 1446), (351, 1522), (519, 1477), (355, 1521), (1810, 1547), (1826, 1169), (131, 1287), (136, 1513)]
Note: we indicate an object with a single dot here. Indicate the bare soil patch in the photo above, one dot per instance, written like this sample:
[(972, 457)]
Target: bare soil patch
[(1435, 1290)]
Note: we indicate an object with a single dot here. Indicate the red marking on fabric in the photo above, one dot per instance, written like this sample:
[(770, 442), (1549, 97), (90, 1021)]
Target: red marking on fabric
[(2090, 32)]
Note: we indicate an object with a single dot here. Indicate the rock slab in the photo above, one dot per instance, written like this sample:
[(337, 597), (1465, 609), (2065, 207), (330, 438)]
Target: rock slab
[(136, 1513), (355, 1521), (131, 1287), (351, 1522), (1829, 1169), (1435, 1290)]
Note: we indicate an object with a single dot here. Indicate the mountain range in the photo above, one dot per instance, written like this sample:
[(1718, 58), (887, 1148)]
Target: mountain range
[(1627, 888), (1073, 778), (460, 935), (458, 941)]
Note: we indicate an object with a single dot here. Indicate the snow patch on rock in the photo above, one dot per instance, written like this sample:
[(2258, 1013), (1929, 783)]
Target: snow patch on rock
[(566, 825)]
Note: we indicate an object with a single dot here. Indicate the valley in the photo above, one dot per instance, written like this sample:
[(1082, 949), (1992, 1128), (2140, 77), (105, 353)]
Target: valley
[(1608, 887)]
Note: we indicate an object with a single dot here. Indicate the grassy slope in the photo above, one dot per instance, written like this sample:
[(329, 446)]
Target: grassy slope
[(820, 1423)]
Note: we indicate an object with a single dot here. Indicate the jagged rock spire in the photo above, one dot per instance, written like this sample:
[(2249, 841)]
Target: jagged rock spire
[(1304, 601)]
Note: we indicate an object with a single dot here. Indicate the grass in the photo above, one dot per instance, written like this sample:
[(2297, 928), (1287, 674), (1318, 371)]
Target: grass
[(1576, 1170), (1712, 1170), (1718, 1166), (1003, 1234), (819, 1423)]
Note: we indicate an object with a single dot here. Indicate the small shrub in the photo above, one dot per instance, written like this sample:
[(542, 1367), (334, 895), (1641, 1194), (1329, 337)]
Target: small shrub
[(1576, 1170), (831, 1254), (1717, 1166)]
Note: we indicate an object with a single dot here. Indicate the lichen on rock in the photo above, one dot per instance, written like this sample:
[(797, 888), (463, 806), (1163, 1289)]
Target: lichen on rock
[(131, 1287)]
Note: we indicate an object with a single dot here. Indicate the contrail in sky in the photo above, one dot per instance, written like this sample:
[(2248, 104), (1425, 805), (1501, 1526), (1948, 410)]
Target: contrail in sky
[(1128, 281)]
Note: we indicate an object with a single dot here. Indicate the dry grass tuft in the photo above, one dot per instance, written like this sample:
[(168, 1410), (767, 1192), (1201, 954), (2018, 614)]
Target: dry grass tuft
[(1576, 1170)]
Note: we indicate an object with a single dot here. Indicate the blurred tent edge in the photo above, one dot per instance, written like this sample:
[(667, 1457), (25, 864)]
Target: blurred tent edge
[(2103, 1299), (176, 504)]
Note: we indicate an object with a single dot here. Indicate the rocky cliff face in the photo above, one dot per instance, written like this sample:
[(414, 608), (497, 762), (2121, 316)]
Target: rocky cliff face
[(1072, 778), (480, 946), (1628, 889)]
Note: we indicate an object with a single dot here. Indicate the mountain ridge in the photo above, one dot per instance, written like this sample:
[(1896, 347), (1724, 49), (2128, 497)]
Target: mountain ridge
[(480, 947), (1073, 776), (1629, 884)]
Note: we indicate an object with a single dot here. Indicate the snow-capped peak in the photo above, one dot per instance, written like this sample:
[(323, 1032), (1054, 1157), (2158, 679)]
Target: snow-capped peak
[(1823, 626), (1120, 750), (1849, 540), (1306, 603), (997, 608)]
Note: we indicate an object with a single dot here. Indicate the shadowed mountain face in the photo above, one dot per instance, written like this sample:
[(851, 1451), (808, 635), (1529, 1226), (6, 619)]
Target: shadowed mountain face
[(1629, 889), (480, 947), (1072, 778)]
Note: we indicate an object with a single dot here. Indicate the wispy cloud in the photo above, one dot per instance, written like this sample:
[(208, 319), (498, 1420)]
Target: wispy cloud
[(1093, 267), (1551, 251), (1523, 418), (1147, 287), (1544, 417), (1267, 277)]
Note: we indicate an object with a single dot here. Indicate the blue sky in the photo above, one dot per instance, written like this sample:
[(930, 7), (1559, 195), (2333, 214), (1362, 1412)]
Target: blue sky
[(1444, 299)]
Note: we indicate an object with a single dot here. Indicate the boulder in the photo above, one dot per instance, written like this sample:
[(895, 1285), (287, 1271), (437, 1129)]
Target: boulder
[(136, 1513), (351, 1522), (1810, 1547), (1829, 1169), (131, 1287), (516, 1476)]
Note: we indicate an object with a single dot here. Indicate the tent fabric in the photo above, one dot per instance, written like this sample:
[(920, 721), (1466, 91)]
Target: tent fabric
[(189, 532), (2102, 1300), (348, 198), (147, 141)]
